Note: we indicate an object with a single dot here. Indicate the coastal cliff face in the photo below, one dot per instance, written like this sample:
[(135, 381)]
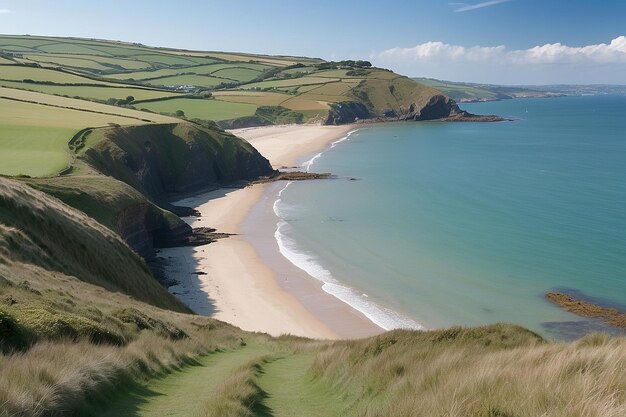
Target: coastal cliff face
[(177, 158), (118, 206), (437, 107), (143, 228)]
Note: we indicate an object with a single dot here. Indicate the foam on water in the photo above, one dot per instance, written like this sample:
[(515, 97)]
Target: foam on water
[(309, 263), (307, 164)]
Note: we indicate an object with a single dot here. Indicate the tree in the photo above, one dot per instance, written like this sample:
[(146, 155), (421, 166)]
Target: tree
[(180, 113)]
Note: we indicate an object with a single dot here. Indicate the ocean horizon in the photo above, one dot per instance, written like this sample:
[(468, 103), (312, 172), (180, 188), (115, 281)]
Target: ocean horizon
[(432, 224)]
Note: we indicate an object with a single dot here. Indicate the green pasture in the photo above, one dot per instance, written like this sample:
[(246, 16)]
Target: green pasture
[(25, 41), (166, 72), (34, 137), (197, 80), (253, 97), (33, 150), (238, 74), (16, 48), (69, 48), (201, 109), (91, 92), (81, 63), (290, 82), (165, 59), (333, 88), (107, 61), (20, 73)]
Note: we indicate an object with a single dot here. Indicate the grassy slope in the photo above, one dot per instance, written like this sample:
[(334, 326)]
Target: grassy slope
[(33, 224), (86, 350), (309, 89), (100, 197)]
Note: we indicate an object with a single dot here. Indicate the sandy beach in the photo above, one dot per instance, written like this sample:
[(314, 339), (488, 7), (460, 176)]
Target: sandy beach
[(244, 280)]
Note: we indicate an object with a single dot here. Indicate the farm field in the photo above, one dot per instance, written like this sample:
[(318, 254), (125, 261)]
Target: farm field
[(195, 80), (202, 109), (253, 97), (143, 77), (35, 129), (90, 92)]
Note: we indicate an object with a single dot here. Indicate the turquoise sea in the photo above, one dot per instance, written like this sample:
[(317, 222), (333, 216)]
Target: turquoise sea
[(435, 224)]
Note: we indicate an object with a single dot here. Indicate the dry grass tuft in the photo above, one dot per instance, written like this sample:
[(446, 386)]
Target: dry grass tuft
[(430, 374)]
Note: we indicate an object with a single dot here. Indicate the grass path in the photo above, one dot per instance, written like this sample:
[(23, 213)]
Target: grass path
[(292, 393), (181, 393)]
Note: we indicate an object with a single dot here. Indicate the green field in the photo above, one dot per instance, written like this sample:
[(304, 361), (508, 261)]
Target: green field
[(195, 80), (253, 97), (290, 82), (32, 150), (87, 65), (241, 75), (35, 131), (201, 109), (20, 73), (90, 92)]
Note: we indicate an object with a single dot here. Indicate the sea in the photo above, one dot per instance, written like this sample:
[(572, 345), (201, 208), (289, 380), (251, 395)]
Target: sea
[(435, 224)]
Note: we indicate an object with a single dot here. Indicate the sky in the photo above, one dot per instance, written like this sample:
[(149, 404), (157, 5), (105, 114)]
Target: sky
[(511, 42)]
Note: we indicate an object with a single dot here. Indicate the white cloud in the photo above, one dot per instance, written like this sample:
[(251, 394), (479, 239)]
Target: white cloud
[(5, 11), (542, 64), (442, 51), (551, 53), (466, 7)]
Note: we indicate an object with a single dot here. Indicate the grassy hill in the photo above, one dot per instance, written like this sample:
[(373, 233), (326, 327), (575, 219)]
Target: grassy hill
[(233, 89)]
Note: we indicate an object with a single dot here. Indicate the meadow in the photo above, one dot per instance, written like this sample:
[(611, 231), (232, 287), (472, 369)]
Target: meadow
[(35, 129)]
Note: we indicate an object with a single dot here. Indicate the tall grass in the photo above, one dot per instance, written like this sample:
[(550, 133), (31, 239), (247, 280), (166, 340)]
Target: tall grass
[(422, 374)]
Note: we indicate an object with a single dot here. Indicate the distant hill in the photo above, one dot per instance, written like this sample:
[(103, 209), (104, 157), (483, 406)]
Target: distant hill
[(472, 92)]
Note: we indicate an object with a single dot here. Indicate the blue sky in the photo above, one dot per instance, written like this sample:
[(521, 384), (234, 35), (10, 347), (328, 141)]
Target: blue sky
[(510, 42)]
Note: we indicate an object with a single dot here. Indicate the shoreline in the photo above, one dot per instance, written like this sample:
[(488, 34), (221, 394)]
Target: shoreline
[(245, 280)]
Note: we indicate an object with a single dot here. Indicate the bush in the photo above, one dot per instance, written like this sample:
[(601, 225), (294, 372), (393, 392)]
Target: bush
[(12, 336), (144, 322)]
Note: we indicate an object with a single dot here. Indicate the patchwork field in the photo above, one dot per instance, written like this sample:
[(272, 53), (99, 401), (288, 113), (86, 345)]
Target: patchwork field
[(202, 109), (143, 77)]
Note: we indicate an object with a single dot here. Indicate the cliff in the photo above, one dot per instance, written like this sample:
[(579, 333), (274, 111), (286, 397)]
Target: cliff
[(118, 206), (39, 230), (164, 159)]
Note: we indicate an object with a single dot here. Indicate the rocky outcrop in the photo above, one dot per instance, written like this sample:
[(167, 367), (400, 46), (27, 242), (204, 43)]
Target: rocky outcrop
[(438, 107), (143, 227), (346, 112), (441, 107), (610, 315)]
